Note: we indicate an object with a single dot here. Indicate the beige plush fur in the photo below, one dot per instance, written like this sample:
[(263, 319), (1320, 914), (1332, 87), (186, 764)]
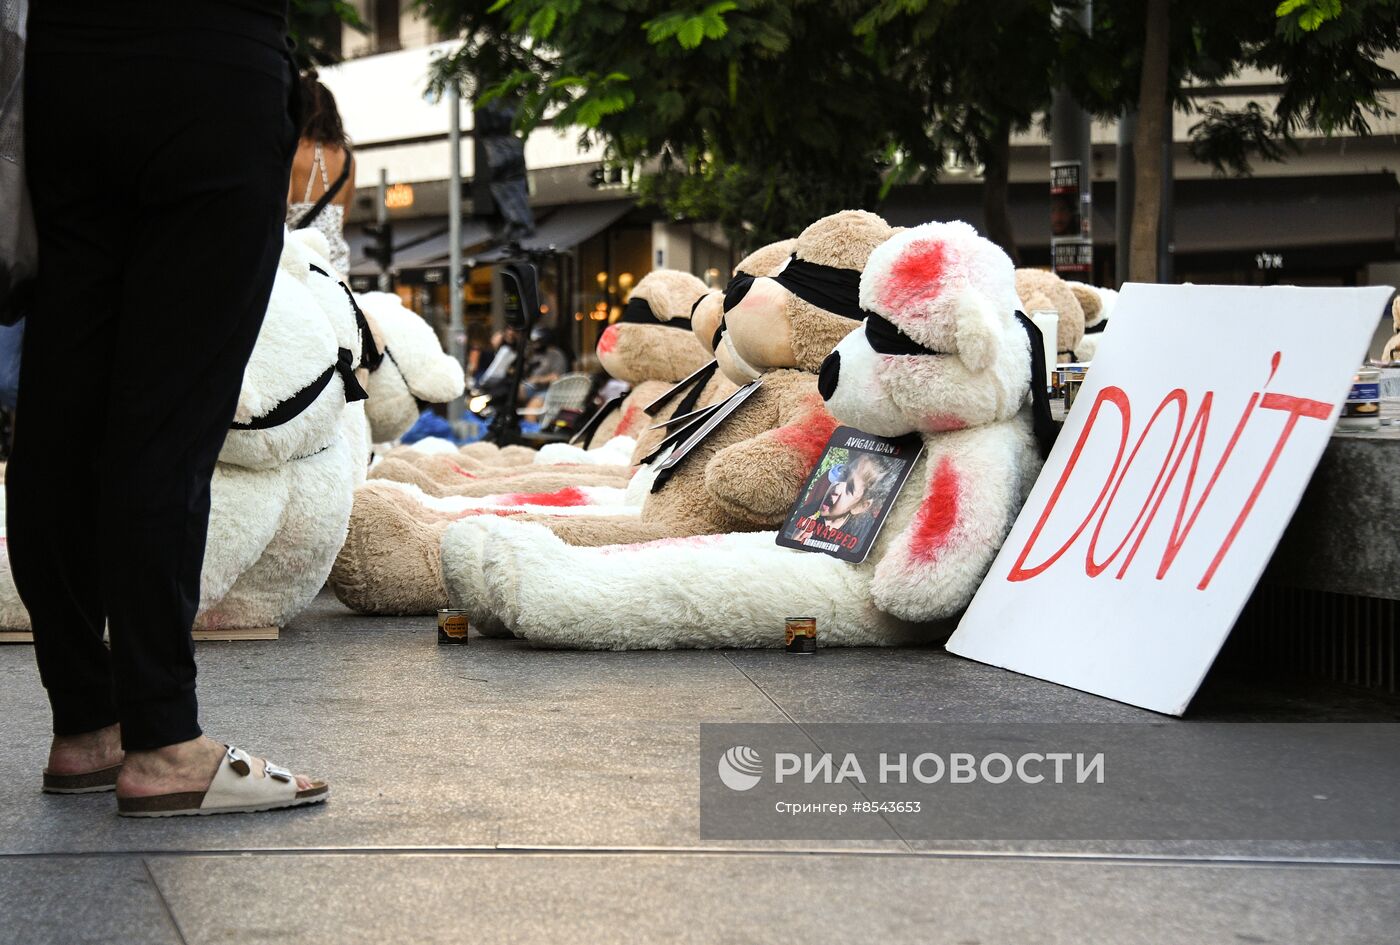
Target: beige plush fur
[(1039, 290), (1089, 300), (747, 474), (369, 579), (1392, 347), (437, 476)]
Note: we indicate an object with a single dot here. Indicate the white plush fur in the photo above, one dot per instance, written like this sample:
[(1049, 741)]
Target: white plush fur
[(280, 498), (602, 500), (615, 452), (433, 445), (414, 367), (1088, 348), (278, 517), (938, 540)]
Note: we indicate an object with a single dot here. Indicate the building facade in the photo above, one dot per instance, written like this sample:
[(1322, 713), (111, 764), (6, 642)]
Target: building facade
[(1329, 215)]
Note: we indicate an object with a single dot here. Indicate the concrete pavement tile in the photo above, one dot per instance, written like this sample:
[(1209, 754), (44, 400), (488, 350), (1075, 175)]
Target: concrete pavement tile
[(773, 899), (75, 901), (916, 685), (423, 745)]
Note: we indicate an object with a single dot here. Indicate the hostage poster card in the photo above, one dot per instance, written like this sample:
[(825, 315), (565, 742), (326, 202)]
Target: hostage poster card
[(845, 501)]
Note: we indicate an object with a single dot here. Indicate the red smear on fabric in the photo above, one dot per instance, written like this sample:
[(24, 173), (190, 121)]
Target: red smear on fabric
[(630, 417), (937, 514), (915, 275), (568, 497), (608, 340), (808, 434), (943, 423), (462, 472)]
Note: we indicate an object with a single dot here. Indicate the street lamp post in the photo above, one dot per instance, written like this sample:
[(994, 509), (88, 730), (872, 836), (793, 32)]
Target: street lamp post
[(456, 325)]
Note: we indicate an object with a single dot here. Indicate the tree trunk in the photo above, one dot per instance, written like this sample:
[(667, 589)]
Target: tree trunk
[(1153, 114), (996, 171)]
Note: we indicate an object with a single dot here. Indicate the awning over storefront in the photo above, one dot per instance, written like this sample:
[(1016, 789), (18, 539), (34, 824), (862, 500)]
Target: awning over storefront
[(435, 250), (562, 228), (424, 261)]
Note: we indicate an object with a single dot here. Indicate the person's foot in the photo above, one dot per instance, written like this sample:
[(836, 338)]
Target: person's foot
[(183, 768), (90, 751)]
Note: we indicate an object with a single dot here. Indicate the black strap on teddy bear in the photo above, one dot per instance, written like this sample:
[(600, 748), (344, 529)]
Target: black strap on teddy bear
[(639, 312), (370, 355), (298, 402), (1042, 423), (691, 386)]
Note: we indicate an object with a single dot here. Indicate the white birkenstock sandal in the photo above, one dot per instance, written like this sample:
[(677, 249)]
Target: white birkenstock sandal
[(243, 784)]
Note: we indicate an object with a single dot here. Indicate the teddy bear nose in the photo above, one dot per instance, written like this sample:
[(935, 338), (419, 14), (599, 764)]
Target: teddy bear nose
[(829, 375)]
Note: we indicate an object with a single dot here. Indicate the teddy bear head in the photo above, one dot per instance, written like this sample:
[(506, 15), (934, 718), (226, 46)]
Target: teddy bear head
[(1042, 290), (301, 372), (793, 318), (653, 340), (1090, 301), (709, 312), (941, 348), (408, 367)]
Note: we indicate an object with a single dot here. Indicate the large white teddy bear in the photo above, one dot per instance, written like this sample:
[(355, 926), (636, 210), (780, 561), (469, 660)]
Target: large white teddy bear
[(280, 497), (941, 354), (281, 491)]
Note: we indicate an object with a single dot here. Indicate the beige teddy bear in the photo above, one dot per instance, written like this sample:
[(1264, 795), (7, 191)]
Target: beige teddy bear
[(1041, 290)]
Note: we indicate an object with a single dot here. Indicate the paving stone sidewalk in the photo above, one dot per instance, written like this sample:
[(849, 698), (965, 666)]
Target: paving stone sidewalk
[(500, 793)]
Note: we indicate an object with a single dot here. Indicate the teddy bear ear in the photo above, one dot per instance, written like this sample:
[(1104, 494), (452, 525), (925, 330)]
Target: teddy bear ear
[(908, 275), (977, 330), (1088, 299)]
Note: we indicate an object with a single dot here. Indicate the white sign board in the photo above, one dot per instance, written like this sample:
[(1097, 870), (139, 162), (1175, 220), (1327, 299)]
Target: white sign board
[(1187, 450)]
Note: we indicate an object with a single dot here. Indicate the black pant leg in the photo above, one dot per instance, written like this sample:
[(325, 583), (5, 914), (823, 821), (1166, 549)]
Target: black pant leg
[(205, 242), (53, 479), (158, 265)]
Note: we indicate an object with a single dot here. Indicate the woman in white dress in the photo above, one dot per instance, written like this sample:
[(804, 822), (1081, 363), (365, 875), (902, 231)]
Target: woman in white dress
[(323, 172)]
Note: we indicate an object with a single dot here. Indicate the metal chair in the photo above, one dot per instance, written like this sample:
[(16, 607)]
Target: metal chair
[(569, 392)]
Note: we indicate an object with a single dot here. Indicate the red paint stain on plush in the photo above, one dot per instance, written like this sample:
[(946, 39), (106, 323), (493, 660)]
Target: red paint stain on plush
[(916, 274), (562, 498), (608, 342), (943, 423), (937, 514), (631, 417), (808, 434), (460, 471)]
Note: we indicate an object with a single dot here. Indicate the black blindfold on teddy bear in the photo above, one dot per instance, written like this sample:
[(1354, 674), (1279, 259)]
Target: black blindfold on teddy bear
[(639, 312)]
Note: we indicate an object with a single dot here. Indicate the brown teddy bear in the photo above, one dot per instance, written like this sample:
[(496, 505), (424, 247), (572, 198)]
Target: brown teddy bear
[(1041, 290)]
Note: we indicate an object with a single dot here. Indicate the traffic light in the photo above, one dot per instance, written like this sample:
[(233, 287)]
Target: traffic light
[(381, 247)]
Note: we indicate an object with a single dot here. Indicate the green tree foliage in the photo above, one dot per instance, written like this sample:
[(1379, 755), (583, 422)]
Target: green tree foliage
[(976, 75), (1326, 54), (310, 22), (760, 114)]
